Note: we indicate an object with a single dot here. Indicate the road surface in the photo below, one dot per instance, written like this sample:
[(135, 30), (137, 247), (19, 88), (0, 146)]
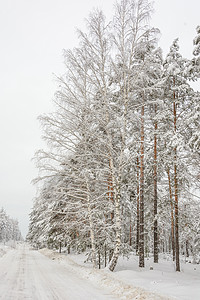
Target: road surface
[(27, 274)]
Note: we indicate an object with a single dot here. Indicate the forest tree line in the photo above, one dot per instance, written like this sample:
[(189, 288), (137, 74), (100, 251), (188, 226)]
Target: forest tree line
[(120, 172), (9, 228)]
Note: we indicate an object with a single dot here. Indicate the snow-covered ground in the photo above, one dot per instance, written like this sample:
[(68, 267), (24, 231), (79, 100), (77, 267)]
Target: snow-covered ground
[(102, 278), (184, 285), (5, 247), (131, 282), (27, 274), (40, 275)]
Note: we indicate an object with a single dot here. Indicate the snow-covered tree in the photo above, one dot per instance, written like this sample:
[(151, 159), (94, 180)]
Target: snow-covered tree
[(196, 53), (9, 228), (118, 143)]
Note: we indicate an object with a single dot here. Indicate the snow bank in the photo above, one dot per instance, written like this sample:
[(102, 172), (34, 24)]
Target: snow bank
[(104, 278), (4, 248), (161, 278), (2, 251)]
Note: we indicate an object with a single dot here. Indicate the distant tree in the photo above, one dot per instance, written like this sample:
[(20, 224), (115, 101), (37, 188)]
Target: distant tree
[(9, 229)]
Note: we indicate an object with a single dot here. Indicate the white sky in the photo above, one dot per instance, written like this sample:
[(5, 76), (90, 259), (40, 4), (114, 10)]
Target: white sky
[(33, 34)]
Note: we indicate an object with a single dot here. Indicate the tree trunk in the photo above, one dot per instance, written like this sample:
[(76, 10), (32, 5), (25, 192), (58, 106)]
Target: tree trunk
[(110, 254), (176, 215), (141, 240), (155, 193), (116, 251), (172, 213), (138, 206), (91, 228), (186, 249), (176, 195), (105, 252), (110, 191), (99, 259)]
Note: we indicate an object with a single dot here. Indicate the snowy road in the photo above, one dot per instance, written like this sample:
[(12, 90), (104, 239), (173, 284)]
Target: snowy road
[(27, 274)]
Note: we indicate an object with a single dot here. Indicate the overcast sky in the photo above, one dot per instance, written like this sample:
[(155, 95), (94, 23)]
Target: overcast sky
[(33, 34)]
